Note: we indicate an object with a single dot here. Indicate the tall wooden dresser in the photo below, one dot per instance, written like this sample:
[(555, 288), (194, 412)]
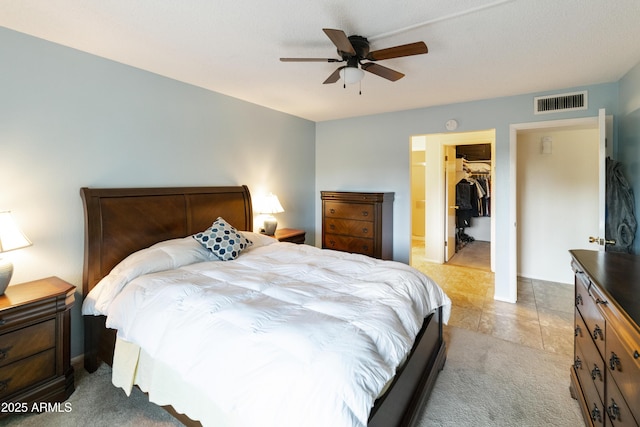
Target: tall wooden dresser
[(605, 376), (358, 222)]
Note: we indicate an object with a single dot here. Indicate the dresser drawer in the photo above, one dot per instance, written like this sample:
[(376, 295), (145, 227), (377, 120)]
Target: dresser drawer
[(25, 372), (617, 409), (24, 342), (587, 300), (361, 211), (593, 367), (348, 244), (349, 227), (623, 361), (592, 399)]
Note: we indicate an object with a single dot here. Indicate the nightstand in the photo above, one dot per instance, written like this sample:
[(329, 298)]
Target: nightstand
[(35, 362), (290, 235)]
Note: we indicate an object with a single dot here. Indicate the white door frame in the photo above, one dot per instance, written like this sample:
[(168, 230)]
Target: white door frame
[(512, 266)]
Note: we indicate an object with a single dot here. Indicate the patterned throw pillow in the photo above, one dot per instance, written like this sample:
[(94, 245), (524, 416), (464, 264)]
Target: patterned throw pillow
[(223, 240)]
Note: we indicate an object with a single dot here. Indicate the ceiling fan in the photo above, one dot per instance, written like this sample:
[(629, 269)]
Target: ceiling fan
[(354, 50)]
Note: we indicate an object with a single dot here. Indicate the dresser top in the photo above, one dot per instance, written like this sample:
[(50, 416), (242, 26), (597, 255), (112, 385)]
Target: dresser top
[(26, 293), (618, 274)]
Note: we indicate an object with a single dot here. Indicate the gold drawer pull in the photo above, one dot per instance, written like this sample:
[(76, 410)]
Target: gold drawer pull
[(4, 352)]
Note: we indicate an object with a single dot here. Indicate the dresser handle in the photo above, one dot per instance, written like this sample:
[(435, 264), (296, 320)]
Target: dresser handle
[(613, 410), (332, 226), (636, 355), (597, 331), (365, 248), (4, 352), (595, 372), (577, 363), (595, 414), (365, 230), (603, 302), (365, 213), (578, 299), (332, 242), (4, 384), (578, 331), (332, 211), (614, 362), (2, 322)]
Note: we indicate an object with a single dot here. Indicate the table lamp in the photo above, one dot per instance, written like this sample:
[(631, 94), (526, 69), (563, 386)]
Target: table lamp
[(270, 205), (10, 238)]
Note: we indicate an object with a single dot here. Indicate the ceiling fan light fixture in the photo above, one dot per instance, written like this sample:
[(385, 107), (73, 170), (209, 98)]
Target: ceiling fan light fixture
[(351, 75)]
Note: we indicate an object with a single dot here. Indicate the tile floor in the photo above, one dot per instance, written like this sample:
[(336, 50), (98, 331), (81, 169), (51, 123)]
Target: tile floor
[(542, 318)]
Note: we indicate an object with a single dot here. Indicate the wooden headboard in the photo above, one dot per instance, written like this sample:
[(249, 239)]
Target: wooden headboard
[(120, 221)]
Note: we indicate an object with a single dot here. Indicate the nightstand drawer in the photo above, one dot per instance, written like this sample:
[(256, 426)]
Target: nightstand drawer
[(27, 341), (26, 372)]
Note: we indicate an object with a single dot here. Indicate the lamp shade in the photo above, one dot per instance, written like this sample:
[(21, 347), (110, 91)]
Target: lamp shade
[(351, 75), (10, 235), (269, 205), (10, 238)]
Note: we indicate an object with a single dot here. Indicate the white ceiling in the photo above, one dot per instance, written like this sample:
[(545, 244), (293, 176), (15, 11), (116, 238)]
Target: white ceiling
[(478, 49)]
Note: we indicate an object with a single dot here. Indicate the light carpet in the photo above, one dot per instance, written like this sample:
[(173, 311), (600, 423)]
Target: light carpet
[(485, 382)]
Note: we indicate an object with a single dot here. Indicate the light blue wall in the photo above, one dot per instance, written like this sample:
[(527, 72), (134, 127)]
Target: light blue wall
[(69, 119), (372, 154), (629, 137)]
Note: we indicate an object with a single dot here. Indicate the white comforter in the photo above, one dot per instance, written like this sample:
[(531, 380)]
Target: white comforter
[(285, 335)]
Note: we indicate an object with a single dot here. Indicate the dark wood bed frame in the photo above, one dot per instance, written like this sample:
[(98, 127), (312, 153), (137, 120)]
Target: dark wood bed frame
[(120, 221)]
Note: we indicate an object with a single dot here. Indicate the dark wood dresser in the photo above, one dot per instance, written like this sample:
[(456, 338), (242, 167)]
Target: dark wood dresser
[(35, 363), (358, 222), (605, 376)]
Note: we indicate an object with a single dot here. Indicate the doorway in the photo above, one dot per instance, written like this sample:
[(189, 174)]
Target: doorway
[(432, 217)]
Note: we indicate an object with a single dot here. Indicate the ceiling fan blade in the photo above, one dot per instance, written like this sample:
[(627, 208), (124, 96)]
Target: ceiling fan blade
[(340, 39), (334, 77), (310, 60), (383, 72), (417, 48)]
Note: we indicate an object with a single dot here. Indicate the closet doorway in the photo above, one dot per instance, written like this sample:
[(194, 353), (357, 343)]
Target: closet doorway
[(433, 176)]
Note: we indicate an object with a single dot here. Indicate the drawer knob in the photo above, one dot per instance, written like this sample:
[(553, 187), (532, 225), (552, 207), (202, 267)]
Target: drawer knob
[(332, 226), (597, 331), (595, 372), (578, 331), (577, 363), (4, 384), (365, 230), (614, 362), (332, 211), (636, 355), (365, 213), (578, 299), (4, 352), (595, 414), (613, 410)]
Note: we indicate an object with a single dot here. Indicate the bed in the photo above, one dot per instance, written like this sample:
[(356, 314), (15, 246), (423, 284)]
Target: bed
[(126, 221)]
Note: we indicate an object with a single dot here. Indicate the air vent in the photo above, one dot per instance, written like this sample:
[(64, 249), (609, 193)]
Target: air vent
[(563, 102)]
